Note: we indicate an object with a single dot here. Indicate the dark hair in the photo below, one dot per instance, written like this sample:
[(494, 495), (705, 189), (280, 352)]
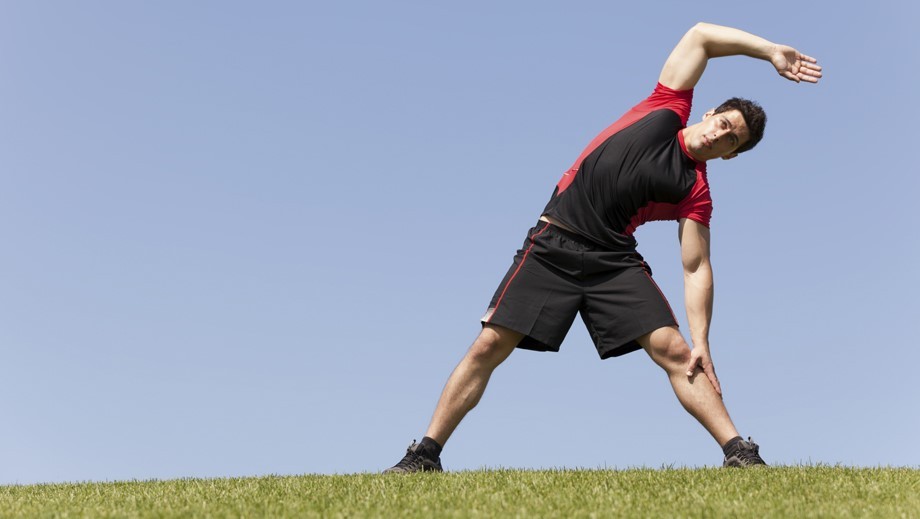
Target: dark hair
[(754, 118)]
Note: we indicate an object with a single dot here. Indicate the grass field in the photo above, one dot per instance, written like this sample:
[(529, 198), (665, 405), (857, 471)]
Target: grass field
[(773, 492)]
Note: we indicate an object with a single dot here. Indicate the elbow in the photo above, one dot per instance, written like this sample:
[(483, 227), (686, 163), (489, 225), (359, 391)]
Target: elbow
[(697, 36), (700, 278), (691, 269), (692, 263), (701, 27), (701, 33), (698, 28), (697, 267)]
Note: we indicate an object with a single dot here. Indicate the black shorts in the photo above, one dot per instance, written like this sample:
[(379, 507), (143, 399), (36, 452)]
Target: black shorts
[(557, 274)]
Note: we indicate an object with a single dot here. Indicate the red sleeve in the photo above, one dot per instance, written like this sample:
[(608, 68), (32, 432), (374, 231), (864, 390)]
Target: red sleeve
[(678, 101), (697, 206)]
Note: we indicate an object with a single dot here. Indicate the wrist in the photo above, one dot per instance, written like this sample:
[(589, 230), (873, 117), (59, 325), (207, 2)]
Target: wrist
[(769, 50), (700, 343)]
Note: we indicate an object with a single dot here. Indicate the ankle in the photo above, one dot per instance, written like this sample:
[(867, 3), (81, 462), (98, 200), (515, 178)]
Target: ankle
[(730, 445), (430, 447)]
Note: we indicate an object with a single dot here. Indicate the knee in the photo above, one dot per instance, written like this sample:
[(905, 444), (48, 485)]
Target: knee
[(490, 348), (671, 351)]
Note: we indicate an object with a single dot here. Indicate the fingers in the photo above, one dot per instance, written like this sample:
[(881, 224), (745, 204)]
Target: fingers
[(713, 379), (808, 68), (810, 73), (692, 365), (696, 364), (803, 73), (795, 66), (809, 59), (790, 75)]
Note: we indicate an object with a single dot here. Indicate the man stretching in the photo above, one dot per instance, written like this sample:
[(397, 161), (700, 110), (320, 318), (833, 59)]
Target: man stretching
[(581, 256)]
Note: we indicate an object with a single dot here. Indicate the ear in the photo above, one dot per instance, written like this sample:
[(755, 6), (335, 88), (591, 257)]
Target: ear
[(729, 156), (709, 114)]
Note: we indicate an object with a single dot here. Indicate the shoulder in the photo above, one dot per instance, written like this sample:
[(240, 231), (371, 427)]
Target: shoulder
[(697, 205), (678, 101)]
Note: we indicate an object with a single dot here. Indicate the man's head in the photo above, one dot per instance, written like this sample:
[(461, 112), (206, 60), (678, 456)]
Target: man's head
[(733, 127)]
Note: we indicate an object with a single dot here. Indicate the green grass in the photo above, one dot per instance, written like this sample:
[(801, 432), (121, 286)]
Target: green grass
[(774, 492)]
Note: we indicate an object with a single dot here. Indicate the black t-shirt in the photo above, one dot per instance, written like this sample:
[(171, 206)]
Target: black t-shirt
[(635, 171)]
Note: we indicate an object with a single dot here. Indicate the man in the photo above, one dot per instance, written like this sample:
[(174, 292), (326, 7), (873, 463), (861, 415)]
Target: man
[(581, 256)]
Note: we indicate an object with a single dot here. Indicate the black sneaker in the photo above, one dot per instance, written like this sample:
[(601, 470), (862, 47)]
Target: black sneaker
[(745, 454), (415, 460)]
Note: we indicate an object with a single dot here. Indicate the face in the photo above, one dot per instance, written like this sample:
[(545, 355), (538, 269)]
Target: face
[(718, 135)]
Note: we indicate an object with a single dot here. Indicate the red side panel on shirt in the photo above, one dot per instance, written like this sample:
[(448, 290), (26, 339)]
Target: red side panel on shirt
[(697, 206), (678, 101)]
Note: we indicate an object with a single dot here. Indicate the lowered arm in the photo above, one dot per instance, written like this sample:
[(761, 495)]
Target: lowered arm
[(698, 295)]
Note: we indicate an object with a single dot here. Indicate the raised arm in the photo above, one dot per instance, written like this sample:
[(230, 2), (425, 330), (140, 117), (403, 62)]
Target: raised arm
[(703, 41), (698, 295)]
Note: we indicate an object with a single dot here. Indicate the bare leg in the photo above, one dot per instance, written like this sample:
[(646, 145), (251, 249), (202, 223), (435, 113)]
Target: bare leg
[(667, 347), (468, 381)]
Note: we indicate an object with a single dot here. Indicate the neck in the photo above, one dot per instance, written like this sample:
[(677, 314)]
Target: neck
[(683, 144)]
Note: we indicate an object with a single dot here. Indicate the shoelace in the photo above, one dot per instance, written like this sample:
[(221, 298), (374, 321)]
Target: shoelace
[(410, 460), (751, 454)]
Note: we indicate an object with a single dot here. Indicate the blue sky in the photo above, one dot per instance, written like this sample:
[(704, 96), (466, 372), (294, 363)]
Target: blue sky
[(255, 238)]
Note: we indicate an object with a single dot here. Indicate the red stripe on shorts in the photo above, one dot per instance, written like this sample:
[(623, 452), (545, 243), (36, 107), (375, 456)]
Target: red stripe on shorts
[(662, 296), (518, 269)]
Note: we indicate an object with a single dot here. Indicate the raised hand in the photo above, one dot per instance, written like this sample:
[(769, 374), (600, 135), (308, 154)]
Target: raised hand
[(795, 66)]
